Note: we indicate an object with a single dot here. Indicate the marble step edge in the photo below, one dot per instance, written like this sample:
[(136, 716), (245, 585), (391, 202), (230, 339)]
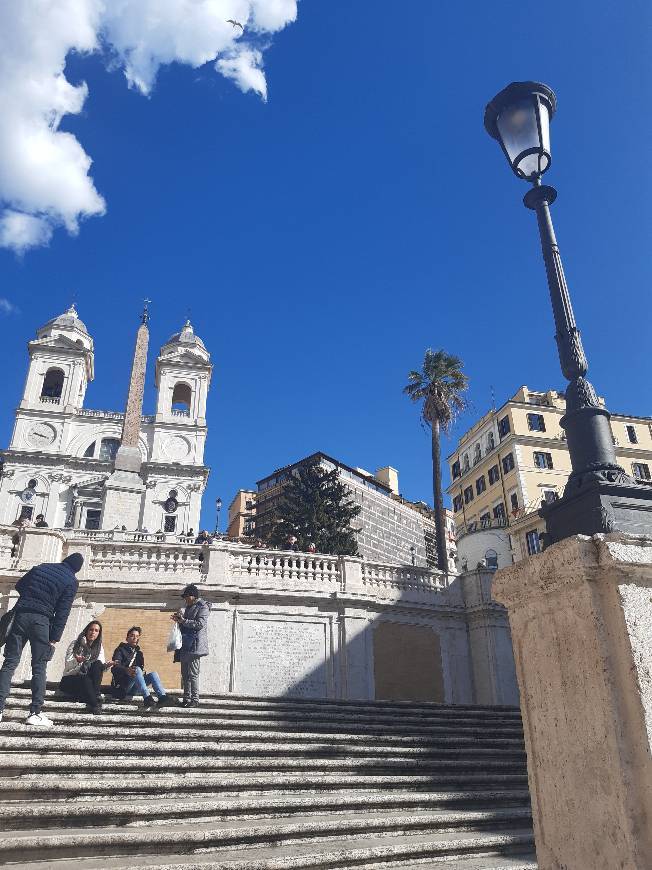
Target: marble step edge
[(79, 785), (190, 838), (104, 807), (276, 701)]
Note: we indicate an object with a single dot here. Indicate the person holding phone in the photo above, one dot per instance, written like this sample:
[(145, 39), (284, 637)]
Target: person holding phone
[(84, 666)]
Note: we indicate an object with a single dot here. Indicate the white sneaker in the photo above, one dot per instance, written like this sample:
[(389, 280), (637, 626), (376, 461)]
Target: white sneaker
[(40, 720)]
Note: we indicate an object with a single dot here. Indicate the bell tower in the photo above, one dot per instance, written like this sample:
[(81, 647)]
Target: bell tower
[(183, 376)]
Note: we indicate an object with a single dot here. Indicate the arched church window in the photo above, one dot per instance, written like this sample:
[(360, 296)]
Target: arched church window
[(491, 559), (52, 384), (90, 450), (181, 396), (109, 448)]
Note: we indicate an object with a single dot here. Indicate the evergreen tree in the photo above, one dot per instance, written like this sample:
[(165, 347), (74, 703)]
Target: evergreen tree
[(316, 508)]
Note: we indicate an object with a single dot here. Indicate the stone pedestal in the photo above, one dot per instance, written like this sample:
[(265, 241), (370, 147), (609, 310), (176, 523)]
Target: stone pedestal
[(122, 500), (39, 545), (581, 621)]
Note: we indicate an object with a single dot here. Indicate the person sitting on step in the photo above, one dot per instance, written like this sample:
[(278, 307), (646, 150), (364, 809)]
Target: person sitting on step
[(130, 676), (84, 665)]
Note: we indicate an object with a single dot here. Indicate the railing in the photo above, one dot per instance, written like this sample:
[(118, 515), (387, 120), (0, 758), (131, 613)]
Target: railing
[(401, 579), (177, 412), (118, 558), (272, 564), (50, 400), (110, 415)]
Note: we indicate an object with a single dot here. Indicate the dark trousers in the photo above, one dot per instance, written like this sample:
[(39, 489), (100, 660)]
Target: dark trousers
[(84, 687), (35, 628)]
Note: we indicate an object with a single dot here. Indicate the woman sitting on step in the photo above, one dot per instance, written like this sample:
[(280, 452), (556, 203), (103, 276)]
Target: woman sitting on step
[(84, 665)]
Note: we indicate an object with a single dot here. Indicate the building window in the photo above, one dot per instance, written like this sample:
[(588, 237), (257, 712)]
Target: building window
[(170, 523), (503, 427), (480, 485), (536, 423), (549, 495), (90, 450), (109, 448), (631, 434), (485, 520), (26, 512), (468, 494), (477, 454), (533, 542), (508, 463), (491, 559), (92, 518), (52, 384), (494, 474), (641, 470), (456, 470), (542, 460), (491, 441), (181, 396), (465, 462), (513, 500), (457, 503), (499, 512)]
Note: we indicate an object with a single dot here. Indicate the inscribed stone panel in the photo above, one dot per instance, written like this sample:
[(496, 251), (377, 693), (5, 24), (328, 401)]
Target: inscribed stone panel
[(283, 656), (407, 663)]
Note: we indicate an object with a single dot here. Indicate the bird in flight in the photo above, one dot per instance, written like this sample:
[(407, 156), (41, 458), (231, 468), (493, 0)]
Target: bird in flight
[(235, 23)]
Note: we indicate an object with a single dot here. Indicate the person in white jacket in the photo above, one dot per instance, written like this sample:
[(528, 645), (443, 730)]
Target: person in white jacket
[(84, 665)]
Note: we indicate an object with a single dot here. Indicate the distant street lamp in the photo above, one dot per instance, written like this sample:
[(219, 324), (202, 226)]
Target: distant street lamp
[(218, 508), (599, 495)]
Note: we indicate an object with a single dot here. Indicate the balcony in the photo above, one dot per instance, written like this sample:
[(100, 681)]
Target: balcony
[(51, 400), (463, 529)]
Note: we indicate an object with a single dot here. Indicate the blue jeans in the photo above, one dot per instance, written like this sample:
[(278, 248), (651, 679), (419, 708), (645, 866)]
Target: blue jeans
[(140, 683), (35, 628)]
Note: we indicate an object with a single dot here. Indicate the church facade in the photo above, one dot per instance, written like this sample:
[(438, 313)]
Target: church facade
[(62, 455)]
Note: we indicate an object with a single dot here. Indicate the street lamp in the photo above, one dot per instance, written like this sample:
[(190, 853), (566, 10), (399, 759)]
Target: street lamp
[(413, 553), (599, 495), (218, 508)]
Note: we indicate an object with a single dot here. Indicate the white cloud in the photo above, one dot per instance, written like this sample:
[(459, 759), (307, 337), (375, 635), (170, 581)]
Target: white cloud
[(7, 307), (45, 177)]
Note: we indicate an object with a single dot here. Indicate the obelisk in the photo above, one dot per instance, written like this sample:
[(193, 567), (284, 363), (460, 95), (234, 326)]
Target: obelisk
[(122, 500)]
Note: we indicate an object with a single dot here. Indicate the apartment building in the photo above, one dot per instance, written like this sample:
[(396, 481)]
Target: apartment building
[(515, 457), (392, 530), (242, 514)]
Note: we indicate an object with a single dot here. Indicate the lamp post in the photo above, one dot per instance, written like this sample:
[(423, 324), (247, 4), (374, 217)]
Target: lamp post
[(599, 495), (413, 553), (218, 508)]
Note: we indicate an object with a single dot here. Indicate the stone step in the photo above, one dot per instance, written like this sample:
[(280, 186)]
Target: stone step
[(374, 708), (68, 759), (105, 810), (89, 727), (132, 717), (186, 838), (76, 785), (473, 850)]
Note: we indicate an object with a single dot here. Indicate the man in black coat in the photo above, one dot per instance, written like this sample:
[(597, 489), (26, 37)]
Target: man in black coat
[(47, 592)]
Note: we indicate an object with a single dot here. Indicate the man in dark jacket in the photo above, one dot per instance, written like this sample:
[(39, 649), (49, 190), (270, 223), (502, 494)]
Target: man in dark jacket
[(193, 622), (129, 675), (46, 596)]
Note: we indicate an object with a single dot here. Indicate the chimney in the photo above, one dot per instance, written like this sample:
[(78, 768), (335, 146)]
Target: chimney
[(388, 476)]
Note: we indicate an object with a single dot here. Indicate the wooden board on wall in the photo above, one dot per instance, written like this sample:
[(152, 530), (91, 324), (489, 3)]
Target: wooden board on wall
[(407, 663)]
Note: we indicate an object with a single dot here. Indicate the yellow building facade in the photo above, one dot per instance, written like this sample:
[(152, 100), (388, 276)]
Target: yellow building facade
[(515, 457)]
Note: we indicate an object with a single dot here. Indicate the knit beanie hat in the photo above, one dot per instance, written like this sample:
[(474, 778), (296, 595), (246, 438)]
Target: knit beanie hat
[(74, 561)]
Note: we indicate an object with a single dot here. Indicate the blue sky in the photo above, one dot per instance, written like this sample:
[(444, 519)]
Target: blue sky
[(322, 240)]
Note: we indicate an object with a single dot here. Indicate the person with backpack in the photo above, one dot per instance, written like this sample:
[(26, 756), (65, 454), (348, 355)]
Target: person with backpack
[(84, 666), (130, 676), (193, 623), (46, 592)]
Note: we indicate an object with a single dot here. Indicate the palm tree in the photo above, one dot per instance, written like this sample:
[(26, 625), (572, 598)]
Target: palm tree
[(440, 385)]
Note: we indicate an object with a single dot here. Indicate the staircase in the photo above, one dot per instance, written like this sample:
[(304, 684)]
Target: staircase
[(264, 784)]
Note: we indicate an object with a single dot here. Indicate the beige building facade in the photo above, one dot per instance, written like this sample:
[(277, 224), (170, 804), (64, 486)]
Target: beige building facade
[(242, 512), (515, 457)]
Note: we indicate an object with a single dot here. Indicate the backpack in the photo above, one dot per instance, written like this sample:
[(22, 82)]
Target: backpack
[(6, 624)]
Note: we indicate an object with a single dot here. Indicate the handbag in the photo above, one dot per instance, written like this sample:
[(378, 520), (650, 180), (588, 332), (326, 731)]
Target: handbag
[(175, 640), (6, 624)]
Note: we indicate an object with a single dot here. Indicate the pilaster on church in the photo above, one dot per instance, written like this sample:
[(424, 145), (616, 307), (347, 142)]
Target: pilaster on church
[(64, 458)]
